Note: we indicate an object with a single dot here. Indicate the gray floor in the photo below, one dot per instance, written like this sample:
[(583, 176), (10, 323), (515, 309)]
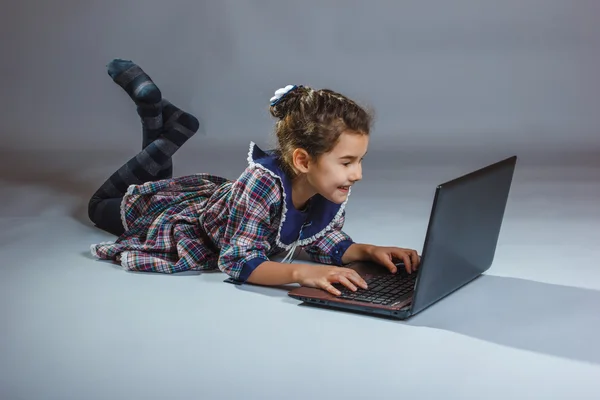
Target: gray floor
[(77, 328)]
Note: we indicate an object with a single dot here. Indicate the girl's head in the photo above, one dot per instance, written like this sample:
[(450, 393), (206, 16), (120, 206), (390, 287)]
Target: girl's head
[(322, 137)]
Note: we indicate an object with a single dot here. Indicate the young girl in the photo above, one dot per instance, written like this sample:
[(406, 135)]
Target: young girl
[(290, 197)]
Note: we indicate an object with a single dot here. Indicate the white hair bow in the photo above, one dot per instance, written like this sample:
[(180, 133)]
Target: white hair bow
[(279, 93)]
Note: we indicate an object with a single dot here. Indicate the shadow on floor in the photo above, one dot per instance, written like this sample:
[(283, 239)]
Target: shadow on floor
[(555, 320)]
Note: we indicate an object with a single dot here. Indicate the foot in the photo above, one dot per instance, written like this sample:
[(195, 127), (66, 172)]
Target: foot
[(134, 81)]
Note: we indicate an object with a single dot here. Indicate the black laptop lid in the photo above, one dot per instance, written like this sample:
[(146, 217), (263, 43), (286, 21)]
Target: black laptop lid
[(463, 231)]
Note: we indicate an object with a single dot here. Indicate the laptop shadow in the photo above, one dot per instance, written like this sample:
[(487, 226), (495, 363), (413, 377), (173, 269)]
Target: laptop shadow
[(556, 320)]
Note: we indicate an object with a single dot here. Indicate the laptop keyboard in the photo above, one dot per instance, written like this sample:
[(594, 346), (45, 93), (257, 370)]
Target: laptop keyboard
[(382, 289)]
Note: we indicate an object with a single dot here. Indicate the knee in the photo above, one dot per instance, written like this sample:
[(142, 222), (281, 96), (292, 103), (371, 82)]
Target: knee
[(92, 207), (106, 214)]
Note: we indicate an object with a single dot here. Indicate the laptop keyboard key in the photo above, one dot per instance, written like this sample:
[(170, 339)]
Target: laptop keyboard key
[(383, 289)]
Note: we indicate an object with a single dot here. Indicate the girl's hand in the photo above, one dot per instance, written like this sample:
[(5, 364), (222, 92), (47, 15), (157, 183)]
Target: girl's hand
[(386, 256), (322, 277)]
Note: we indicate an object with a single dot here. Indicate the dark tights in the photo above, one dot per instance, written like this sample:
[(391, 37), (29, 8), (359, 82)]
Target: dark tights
[(165, 129)]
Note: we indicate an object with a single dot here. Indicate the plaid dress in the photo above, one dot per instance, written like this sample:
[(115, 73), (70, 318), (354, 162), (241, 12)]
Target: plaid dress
[(206, 222)]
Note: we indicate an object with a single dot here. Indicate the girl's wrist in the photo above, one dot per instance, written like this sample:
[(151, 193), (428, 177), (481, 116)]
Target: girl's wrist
[(368, 252), (358, 252), (297, 272)]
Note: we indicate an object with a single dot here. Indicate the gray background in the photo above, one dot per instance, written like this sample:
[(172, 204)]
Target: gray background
[(455, 85), (518, 74)]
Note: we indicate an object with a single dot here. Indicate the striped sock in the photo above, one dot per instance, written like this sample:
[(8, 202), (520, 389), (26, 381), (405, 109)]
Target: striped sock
[(144, 93), (151, 163), (169, 116), (157, 119), (151, 116), (136, 83)]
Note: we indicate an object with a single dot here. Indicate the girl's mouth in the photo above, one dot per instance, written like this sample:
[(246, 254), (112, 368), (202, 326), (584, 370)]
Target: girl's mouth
[(344, 188)]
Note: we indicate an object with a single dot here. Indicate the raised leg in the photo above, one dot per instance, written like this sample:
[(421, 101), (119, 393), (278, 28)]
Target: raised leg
[(165, 129), (146, 166)]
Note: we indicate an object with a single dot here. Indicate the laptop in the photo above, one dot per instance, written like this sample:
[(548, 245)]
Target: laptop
[(460, 244)]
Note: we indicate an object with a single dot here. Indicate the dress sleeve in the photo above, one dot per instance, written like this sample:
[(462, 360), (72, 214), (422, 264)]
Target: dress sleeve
[(330, 248), (245, 245)]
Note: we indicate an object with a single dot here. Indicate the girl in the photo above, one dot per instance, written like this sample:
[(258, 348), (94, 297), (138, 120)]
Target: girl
[(293, 196)]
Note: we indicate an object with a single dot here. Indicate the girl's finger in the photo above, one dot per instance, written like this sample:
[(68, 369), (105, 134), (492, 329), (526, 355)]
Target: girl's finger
[(415, 259), (405, 258), (391, 266), (356, 278), (344, 281), (353, 276), (328, 287)]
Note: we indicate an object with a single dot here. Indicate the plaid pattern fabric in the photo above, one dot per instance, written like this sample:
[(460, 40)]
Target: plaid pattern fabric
[(330, 248), (162, 231), (245, 223), (205, 222)]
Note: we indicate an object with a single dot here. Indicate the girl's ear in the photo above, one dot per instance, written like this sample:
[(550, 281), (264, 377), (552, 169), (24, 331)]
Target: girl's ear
[(301, 160)]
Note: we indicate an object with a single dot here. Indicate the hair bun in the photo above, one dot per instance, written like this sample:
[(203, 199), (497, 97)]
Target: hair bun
[(281, 92), (284, 100)]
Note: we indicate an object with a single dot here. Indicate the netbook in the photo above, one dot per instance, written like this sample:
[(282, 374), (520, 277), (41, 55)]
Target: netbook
[(460, 244)]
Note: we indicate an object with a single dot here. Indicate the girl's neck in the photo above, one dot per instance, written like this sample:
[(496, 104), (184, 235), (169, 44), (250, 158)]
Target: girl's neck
[(302, 191)]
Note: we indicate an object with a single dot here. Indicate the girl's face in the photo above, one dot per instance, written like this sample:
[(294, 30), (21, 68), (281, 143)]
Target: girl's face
[(334, 172)]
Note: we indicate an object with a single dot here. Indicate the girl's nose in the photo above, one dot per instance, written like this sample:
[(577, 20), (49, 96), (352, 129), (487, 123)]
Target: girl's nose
[(356, 175)]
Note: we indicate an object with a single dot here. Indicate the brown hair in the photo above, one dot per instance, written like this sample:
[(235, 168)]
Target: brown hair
[(314, 120)]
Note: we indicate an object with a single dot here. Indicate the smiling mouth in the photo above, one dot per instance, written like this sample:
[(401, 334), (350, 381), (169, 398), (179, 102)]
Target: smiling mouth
[(344, 188)]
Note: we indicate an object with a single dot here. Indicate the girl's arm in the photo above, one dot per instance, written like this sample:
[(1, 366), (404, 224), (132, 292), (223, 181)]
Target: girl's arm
[(271, 273), (358, 252)]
